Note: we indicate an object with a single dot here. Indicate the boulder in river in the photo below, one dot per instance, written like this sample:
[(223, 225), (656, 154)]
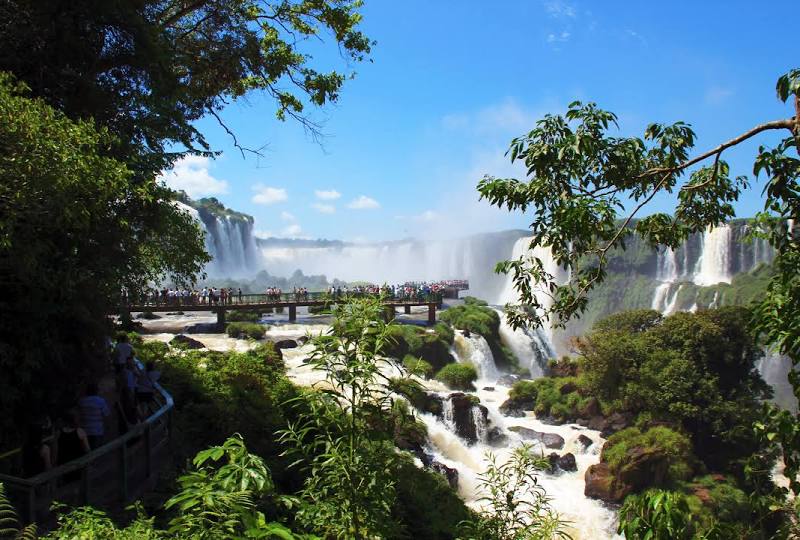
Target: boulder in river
[(550, 440), (567, 462), (449, 473), (516, 408), (465, 415), (285, 344), (186, 342), (585, 441), (202, 328), (496, 437), (508, 380), (641, 468)]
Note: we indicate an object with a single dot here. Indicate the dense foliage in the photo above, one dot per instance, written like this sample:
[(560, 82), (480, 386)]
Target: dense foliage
[(245, 330), (431, 345), (66, 249), (458, 376), (582, 179)]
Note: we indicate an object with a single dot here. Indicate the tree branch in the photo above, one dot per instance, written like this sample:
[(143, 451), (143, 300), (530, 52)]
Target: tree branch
[(791, 124), (241, 148)]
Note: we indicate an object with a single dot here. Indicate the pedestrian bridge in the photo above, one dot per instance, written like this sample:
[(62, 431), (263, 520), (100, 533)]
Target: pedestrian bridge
[(288, 301)]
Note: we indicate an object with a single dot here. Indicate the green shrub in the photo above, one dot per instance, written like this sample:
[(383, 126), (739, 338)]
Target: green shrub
[(476, 317), (674, 445), (243, 316), (418, 366), (458, 376), (432, 347), (245, 329), (524, 391)]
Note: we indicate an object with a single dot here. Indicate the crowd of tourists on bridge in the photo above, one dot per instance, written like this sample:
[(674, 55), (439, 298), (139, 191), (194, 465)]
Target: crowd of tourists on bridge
[(409, 291), (84, 426), (207, 296)]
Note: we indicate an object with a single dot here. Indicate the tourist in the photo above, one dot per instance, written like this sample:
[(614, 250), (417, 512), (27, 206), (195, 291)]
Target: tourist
[(122, 350), (72, 442), (36, 454), (240, 295), (145, 387), (93, 411), (130, 376)]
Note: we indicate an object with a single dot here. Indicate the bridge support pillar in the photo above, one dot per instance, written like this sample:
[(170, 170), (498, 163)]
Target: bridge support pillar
[(221, 319), (431, 313), (407, 309), (292, 313)]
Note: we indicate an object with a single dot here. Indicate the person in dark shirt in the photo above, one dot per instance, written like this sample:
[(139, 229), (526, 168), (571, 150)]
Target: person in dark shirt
[(36, 456), (72, 443)]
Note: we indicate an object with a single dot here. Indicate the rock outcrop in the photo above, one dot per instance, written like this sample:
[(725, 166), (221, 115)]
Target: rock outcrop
[(550, 440), (640, 469), (466, 416), (186, 342)]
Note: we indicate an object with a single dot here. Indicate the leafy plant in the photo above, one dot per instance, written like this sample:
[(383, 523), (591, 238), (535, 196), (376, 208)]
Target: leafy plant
[(418, 366), (10, 527), (338, 438), (245, 329), (516, 505), (458, 376), (656, 515)]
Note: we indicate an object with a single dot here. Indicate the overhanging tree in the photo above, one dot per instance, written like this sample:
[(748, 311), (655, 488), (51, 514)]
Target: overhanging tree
[(117, 89), (587, 190)]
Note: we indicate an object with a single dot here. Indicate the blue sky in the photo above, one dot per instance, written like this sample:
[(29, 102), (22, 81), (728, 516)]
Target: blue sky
[(452, 82)]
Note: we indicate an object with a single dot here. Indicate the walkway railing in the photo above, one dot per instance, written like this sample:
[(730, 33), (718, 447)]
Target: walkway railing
[(284, 298), (109, 477)]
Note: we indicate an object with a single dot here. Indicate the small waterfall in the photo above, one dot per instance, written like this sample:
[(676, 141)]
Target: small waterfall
[(667, 274), (530, 346), (714, 264), (481, 425), (475, 350), (448, 415), (673, 300)]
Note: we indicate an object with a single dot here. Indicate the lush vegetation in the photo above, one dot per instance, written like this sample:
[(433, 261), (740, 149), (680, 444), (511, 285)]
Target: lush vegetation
[(418, 366), (458, 376), (92, 110), (431, 345), (245, 330), (580, 175), (236, 315), (679, 396), (475, 316)]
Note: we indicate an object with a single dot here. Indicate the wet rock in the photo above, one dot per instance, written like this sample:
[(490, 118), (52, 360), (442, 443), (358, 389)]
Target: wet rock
[(516, 408), (465, 412), (600, 484), (550, 440), (302, 340), (585, 441), (148, 316), (508, 380), (285, 344), (202, 328), (567, 462), (562, 368), (488, 388), (449, 473), (496, 437), (186, 342)]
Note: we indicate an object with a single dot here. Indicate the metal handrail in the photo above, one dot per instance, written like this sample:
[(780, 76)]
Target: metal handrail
[(30, 485)]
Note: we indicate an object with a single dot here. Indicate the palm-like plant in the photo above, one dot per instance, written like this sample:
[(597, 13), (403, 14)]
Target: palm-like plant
[(10, 526)]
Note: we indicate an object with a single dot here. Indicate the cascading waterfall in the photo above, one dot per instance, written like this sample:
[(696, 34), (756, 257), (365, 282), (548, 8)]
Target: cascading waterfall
[(667, 274), (475, 350), (531, 346), (714, 264)]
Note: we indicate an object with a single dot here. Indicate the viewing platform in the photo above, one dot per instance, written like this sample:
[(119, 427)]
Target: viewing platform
[(288, 301)]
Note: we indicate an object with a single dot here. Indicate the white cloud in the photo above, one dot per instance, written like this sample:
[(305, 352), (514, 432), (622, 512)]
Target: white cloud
[(268, 195), (324, 208), (559, 9), (363, 202), (327, 195), (190, 174), (558, 38), (293, 230), (287, 216), (259, 233)]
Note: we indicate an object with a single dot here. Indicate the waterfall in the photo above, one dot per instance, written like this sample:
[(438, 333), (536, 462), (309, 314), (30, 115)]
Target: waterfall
[(475, 350), (774, 369), (481, 426), (229, 241), (531, 346), (667, 274), (673, 300), (714, 264)]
